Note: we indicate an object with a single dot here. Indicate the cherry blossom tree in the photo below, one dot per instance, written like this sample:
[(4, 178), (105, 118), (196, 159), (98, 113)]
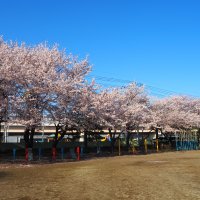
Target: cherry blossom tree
[(122, 109), (137, 114), (39, 82), (7, 85), (43, 77), (69, 94), (175, 113)]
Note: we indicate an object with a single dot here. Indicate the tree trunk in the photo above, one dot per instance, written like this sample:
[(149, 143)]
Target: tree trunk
[(198, 136), (1, 135), (127, 141), (56, 140), (28, 138)]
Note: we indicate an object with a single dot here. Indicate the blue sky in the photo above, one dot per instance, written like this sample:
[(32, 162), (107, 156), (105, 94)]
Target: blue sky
[(155, 42)]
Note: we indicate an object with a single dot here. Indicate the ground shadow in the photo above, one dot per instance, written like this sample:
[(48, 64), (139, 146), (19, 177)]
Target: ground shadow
[(3, 174)]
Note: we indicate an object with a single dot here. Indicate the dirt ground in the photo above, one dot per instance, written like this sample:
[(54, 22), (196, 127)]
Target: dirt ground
[(157, 176)]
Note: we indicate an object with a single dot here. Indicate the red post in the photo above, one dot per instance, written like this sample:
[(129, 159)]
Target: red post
[(54, 153), (26, 153), (78, 153)]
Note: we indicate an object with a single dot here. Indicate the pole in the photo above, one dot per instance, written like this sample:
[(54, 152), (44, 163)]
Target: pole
[(157, 147), (176, 141), (14, 153), (119, 146), (145, 145), (39, 152), (26, 153), (78, 153)]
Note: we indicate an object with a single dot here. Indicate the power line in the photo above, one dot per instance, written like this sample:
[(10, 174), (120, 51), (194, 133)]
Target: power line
[(112, 82), (116, 82)]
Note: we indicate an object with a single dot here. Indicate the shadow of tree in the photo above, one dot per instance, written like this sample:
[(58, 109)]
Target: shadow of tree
[(25, 198), (3, 174)]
